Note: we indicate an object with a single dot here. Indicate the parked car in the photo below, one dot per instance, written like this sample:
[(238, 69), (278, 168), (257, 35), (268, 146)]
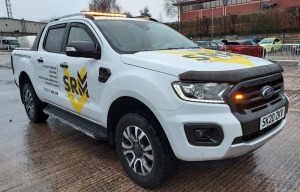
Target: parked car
[(208, 45), (244, 47), (220, 42), (256, 40), (247, 42), (26, 41), (9, 43), (271, 44)]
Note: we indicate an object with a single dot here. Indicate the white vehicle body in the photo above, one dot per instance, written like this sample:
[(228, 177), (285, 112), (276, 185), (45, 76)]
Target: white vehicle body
[(147, 77), (8, 43), (26, 41)]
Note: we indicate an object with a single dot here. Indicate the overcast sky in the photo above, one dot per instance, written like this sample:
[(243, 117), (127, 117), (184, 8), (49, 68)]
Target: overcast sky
[(37, 10)]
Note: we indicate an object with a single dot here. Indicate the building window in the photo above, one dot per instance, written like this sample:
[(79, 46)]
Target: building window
[(207, 5), (182, 8), (198, 6)]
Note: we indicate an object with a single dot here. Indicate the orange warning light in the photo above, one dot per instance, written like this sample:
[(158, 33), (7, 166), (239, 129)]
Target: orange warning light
[(238, 97), (93, 13)]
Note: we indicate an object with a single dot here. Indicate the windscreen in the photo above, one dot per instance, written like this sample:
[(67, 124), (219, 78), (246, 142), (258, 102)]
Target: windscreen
[(132, 36), (13, 42), (266, 41)]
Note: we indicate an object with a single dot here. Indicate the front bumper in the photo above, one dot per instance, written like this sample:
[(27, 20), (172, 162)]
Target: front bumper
[(245, 147), (173, 123)]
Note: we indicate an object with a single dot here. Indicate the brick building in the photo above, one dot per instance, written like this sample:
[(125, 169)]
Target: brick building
[(198, 9)]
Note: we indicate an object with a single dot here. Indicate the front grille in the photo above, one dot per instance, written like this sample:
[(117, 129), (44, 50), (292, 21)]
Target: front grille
[(252, 91), (254, 106)]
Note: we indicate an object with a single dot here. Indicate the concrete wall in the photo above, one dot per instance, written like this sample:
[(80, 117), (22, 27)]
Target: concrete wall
[(16, 27)]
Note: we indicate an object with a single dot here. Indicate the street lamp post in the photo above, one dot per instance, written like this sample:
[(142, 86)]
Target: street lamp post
[(212, 22)]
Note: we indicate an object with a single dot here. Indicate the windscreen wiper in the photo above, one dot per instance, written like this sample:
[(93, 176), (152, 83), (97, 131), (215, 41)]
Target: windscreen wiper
[(172, 48)]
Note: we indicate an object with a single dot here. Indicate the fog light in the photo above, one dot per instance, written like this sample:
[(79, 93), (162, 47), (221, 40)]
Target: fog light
[(202, 135)]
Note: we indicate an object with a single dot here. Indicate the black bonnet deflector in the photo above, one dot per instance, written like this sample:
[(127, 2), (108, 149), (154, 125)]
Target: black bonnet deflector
[(232, 76)]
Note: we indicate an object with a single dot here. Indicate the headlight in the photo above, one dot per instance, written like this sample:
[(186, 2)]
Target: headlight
[(201, 92)]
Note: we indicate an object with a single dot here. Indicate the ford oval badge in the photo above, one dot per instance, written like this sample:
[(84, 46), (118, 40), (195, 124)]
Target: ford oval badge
[(267, 91)]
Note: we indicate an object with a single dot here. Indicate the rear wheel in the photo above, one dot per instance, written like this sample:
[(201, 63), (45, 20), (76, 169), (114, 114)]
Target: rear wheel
[(33, 106), (144, 151)]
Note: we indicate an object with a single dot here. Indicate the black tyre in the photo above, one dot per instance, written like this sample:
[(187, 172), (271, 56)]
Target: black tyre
[(144, 151), (33, 106)]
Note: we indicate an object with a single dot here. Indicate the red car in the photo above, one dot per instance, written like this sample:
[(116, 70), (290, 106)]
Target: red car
[(244, 47)]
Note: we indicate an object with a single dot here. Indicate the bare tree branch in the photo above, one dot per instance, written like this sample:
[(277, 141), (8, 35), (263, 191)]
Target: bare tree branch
[(170, 9), (145, 12), (104, 6)]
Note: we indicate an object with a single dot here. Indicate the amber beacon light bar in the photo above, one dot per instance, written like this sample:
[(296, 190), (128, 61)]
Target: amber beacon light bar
[(93, 13)]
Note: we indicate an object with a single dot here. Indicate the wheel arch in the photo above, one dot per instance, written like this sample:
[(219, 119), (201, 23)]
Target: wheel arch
[(124, 105), (23, 78)]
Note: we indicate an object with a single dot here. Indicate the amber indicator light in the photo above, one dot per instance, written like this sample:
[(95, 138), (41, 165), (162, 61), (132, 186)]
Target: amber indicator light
[(239, 97)]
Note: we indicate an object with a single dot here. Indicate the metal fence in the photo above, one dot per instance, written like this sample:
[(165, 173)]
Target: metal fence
[(274, 52), (285, 52)]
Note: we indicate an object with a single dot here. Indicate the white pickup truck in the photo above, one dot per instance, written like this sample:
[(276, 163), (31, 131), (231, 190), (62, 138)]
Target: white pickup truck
[(151, 92)]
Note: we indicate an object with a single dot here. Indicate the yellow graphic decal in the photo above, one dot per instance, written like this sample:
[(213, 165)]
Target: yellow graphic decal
[(212, 56), (77, 89)]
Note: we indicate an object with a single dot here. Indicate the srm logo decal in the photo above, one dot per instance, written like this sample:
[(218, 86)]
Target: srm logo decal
[(77, 89)]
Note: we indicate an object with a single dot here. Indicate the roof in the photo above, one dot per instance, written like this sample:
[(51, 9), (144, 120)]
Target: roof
[(103, 16), (5, 18), (191, 2)]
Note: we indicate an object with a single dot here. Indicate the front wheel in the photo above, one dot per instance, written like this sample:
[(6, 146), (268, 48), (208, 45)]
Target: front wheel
[(33, 106), (144, 151)]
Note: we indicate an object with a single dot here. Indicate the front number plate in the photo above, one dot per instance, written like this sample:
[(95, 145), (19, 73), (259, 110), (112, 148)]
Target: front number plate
[(271, 118)]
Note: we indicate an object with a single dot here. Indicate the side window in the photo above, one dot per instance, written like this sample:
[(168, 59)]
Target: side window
[(78, 34), (54, 39)]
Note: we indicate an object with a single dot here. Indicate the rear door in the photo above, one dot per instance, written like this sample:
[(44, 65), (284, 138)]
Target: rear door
[(48, 58)]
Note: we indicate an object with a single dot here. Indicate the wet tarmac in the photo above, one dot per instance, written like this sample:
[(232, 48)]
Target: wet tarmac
[(53, 157)]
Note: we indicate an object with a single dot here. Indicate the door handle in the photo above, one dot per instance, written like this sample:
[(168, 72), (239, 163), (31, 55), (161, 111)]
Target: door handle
[(64, 65), (40, 60)]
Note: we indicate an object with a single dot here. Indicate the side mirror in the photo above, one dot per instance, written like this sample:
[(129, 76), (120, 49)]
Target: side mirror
[(82, 49)]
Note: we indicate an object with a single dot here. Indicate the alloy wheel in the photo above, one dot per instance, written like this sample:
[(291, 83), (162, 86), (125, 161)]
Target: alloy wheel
[(29, 103), (137, 150)]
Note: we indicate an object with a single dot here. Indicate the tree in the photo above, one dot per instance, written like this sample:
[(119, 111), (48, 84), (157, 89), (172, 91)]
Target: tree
[(127, 13), (160, 18), (172, 10), (145, 12), (294, 14), (104, 6)]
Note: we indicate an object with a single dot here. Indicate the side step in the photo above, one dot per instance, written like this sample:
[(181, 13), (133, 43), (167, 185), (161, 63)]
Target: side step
[(89, 128)]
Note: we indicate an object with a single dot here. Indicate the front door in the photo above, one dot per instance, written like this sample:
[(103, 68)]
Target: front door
[(79, 76)]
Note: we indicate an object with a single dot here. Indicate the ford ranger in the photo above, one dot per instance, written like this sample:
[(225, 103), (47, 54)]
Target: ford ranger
[(149, 91)]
